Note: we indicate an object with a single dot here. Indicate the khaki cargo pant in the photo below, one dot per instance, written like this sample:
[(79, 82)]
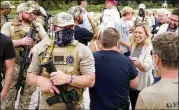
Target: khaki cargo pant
[(9, 101)]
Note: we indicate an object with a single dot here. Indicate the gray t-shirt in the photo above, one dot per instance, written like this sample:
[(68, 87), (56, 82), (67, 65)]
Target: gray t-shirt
[(123, 28), (162, 95), (137, 51)]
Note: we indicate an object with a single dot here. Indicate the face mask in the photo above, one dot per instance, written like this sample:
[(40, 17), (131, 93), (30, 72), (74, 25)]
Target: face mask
[(64, 37), (141, 12)]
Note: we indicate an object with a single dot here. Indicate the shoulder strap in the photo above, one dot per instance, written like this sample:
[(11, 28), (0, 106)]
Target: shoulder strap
[(49, 51)]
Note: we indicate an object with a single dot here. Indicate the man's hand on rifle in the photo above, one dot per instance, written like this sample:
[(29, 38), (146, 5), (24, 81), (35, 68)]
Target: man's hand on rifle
[(60, 78), (46, 85), (26, 41)]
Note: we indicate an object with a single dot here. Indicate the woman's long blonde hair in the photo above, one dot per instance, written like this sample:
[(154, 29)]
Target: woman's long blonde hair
[(103, 27), (147, 31)]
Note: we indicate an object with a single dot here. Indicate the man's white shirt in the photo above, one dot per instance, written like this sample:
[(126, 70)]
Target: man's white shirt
[(111, 15), (164, 28)]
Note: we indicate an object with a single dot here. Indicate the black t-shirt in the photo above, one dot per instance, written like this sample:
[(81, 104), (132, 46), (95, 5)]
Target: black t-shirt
[(83, 35), (7, 50), (113, 74)]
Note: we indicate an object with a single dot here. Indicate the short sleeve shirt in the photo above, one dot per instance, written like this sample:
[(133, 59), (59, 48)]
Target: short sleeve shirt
[(123, 28), (111, 15), (113, 74), (162, 95), (6, 29), (86, 67), (85, 56), (7, 50)]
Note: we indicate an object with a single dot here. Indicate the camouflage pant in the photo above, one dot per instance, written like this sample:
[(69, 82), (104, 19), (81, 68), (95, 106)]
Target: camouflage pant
[(9, 101)]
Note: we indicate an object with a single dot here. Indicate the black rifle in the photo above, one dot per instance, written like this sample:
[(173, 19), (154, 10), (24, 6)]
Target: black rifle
[(24, 63), (65, 96)]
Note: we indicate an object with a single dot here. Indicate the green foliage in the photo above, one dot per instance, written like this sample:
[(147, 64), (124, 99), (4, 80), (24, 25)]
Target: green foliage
[(56, 6)]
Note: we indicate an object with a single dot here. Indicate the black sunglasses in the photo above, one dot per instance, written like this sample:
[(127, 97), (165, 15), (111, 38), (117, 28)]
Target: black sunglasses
[(151, 53)]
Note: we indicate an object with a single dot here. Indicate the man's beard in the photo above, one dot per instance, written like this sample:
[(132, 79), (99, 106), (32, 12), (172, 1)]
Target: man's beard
[(174, 26), (81, 22), (7, 12), (27, 20)]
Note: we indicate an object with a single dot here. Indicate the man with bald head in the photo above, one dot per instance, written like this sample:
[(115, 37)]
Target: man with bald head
[(161, 19)]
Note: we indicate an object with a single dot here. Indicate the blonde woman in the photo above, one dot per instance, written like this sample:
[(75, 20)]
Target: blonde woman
[(95, 44), (140, 55)]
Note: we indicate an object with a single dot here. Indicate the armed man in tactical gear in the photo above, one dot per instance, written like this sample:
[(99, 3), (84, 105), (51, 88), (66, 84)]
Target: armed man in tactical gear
[(20, 30), (5, 9), (73, 61), (142, 17), (40, 15)]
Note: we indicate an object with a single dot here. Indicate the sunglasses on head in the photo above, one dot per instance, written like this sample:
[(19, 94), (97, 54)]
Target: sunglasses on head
[(152, 53)]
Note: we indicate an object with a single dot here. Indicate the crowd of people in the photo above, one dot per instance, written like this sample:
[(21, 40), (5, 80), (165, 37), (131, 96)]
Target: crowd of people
[(129, 61)]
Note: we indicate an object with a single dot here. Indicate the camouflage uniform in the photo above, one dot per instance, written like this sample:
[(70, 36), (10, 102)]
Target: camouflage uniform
[(40, 14), (28, 90), (144, 19), (3, 20), (75, 59), (16, 32), (5, 5), (141, 20), (9, 102)]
